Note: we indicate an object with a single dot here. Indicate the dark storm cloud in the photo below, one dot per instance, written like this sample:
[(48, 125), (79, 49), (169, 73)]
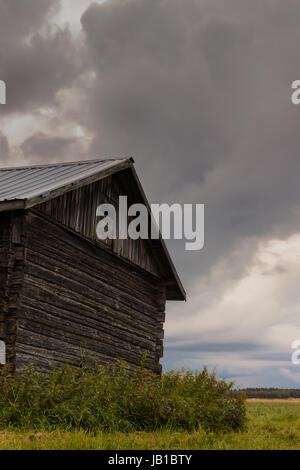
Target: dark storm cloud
[(35, 64), (199, 93), (156, 86), (47, 148), (20, 18)]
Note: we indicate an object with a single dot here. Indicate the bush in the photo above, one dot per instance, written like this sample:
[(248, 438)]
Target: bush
[(117, 400)]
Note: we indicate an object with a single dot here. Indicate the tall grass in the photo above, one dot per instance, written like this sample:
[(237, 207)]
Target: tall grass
[(99, 399), (271, 426)]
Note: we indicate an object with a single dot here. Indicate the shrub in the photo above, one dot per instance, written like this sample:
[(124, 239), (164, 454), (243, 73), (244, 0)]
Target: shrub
[(117, 400)]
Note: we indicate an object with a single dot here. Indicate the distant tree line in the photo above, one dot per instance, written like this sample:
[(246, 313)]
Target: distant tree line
[(271, 392)]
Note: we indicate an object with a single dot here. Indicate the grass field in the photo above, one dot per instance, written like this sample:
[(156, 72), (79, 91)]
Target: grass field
[(270, 426)]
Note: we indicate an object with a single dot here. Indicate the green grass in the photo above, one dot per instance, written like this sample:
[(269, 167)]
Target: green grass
[(270, 426), (116, 400)]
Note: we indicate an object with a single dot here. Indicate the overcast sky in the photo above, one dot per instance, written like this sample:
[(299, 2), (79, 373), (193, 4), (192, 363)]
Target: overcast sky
[(199, 92)]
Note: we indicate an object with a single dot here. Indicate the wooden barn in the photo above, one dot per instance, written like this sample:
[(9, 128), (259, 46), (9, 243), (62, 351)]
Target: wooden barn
[(64, 294)]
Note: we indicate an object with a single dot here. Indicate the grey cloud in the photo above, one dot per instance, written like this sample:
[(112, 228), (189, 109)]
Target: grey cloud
[(35, 60), (154, 82), (48, 148), (4, 149), (21, 18)]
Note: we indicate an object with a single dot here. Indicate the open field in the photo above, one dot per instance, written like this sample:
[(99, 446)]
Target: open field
[(270, 426)]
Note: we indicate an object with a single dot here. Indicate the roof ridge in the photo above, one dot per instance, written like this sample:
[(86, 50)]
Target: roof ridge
[(76, 162)]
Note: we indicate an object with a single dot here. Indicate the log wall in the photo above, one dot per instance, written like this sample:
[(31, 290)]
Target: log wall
[(11, 278), (78, 299)]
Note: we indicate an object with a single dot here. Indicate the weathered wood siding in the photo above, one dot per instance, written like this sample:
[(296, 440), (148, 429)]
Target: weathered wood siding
[(11, 278), (79, 298), (77, 210)]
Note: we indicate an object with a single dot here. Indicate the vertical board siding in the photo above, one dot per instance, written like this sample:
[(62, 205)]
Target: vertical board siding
[(77, 210), (80, 299)]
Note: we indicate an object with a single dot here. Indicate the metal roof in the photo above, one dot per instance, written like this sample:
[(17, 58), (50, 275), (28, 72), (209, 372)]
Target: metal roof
[(28, 182)]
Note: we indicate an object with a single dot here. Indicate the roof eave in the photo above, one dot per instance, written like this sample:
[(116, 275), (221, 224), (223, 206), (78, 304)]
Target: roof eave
[(12, 205)]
